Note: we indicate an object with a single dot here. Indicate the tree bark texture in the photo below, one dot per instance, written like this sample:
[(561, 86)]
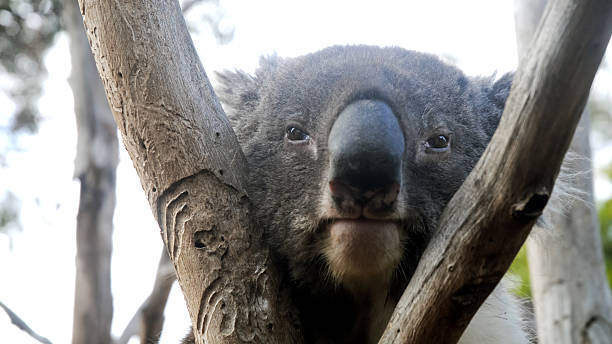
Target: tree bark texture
[(489, 218), (571, 294), (95, 167), (191, 168)]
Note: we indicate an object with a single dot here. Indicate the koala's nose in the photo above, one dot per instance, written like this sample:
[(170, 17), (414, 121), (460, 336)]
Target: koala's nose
[(366, 146)]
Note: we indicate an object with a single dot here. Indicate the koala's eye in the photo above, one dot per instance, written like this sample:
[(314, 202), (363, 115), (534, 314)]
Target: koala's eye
[(297, 135), (438, 143)]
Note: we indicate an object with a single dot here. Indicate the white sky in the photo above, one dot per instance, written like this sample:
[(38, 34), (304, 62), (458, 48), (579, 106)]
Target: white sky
[(38, 273)]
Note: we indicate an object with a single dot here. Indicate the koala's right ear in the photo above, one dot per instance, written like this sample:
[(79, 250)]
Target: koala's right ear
[(240, 91)]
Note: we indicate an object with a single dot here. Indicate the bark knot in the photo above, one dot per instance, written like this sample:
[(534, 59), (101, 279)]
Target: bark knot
[(531, 207)]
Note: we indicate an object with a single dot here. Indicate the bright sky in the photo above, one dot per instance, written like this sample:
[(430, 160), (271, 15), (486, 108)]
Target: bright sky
[(38, 272)]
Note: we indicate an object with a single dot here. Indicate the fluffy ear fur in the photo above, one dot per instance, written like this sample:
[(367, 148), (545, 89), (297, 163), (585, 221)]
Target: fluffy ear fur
[(492, 99), (499, 91), (240, 91), (240, 94)]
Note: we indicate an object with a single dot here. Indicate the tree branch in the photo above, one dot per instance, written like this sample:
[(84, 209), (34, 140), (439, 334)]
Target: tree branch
[(191, 168), (148, 320), (488, 219), (16, 320)]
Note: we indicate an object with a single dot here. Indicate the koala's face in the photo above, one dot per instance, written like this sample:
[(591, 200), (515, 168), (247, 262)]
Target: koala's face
[(354, 152)]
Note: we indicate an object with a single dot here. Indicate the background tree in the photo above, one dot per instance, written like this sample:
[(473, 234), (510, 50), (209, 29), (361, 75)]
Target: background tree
[(96, 168)]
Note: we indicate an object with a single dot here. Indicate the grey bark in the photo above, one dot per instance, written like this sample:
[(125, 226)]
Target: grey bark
[(191, 169), (491, 215), (95, 167), (571, 294)]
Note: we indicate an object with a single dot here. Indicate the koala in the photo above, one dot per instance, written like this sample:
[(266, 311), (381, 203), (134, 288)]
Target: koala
[(354, 151)]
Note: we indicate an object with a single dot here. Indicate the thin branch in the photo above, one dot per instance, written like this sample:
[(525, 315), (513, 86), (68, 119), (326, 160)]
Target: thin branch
[(148, 320), (16, 320)]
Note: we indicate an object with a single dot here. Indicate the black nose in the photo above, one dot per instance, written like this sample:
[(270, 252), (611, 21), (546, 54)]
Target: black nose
[(366, 146)]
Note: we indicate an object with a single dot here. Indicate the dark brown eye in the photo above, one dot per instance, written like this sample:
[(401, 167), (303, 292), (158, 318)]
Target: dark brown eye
[(437, 143), (297, 135)]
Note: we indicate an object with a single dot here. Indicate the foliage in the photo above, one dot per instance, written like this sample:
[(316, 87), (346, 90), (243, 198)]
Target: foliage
[(9, 212), (27, 30), (605, 222), (520, 270)]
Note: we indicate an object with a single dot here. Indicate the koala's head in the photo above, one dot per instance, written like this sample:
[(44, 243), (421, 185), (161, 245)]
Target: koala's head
[(355, 151)]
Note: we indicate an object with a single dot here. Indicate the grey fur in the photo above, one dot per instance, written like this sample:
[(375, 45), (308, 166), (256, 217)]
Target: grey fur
[(287, 182)]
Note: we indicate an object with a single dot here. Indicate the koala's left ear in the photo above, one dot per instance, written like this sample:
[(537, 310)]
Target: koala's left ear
[(494, 96), (499, 91)]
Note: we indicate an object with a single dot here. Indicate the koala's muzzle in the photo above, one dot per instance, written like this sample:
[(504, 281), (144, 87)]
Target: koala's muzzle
[(366, 146)]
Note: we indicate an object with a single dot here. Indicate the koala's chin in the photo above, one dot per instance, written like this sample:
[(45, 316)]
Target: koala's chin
[(362, 251)]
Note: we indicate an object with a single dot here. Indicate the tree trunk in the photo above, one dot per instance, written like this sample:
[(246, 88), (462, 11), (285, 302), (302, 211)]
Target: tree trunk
[(488, 219), (571, 293), (95, 167), (191, 168)]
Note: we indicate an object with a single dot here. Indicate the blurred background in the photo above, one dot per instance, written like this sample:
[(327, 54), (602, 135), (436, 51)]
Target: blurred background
[(41, 174)]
